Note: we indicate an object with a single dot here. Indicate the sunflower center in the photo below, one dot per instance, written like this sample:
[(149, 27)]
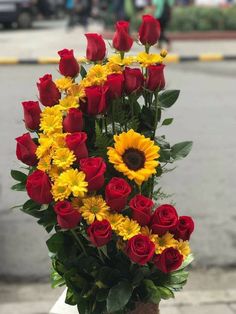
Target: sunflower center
[(134, 159)]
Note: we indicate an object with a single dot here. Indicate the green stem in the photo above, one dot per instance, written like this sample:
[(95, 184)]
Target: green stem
[(79, 241), (147, 48), (113, 122), (122, 55), (100, 255), (105, 125), (156, 116)]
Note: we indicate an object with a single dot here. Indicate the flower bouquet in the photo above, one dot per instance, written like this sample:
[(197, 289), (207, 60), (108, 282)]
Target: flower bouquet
[(93, 165)]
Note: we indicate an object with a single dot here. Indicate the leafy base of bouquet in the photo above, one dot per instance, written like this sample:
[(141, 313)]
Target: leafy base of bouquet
[(94, 161)]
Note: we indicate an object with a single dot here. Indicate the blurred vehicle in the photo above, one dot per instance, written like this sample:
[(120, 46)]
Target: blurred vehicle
[(20, 12)]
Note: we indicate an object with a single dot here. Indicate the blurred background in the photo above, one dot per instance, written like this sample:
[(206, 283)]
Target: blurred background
[(203, 185)]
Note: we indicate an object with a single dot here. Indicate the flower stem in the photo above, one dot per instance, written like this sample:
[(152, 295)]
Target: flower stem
[(100, 255), (79, 241), (113, 122)]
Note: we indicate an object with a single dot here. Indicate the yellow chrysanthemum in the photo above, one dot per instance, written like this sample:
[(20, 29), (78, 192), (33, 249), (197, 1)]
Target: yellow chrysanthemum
[(128, 229), (94, 207), (146, 59), (75, 180), (113, 68), (45, 144), (54, 172), (184, 248), (120, 244), (134, 155), (51, 121), (115, 220), (44, 163), (96, 75), (63, 158), (116, 59), (59, 140), (164, 242), (77, 91), (76, 203), (67, 103), (64, 83), (148, 232), (60, 190)]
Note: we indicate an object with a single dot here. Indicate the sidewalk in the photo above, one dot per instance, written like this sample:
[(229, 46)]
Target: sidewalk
[(207, 292)]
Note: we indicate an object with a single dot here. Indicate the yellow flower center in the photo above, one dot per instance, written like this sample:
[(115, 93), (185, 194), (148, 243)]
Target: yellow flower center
[(95, 209), (134, 159)]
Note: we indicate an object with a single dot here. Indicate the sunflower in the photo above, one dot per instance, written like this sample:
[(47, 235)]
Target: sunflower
[(134, 155), (94, 207)]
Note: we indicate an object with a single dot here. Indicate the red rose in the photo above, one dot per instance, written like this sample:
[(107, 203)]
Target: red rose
[(96, 47), (140, 249), (165, 218), (25, 150), (76, 143), (49, 94), (133, 80), (115, 85), (170, 259), (149, 31), (32, 113), (155, 79), (96, 101), (73, 122), (184, 228), (38, 187), (141, 209), (94, 169), (116, 193), (122, 41), (68, 65), (100, 232), (67, 216)]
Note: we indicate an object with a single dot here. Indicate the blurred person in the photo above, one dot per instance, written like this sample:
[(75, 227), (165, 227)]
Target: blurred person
[(119, 9), (162, 13), (70, 7), (140, 5), (85, 12)]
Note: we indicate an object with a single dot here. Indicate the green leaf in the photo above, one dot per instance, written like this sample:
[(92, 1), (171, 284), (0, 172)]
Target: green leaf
[(181, 150), (178, 277), (165, 293), (167, 121), (18, 187), (168, 98), (153, 293), (55, 243), (119, 296), (102, 142), (56, 279), (19, 176), (83, 72), (187, 261)]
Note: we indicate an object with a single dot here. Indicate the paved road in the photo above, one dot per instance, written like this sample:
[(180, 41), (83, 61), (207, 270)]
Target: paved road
[(203, 184)]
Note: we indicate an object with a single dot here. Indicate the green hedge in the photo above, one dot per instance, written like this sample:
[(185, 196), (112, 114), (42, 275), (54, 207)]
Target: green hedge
[(203, 19)]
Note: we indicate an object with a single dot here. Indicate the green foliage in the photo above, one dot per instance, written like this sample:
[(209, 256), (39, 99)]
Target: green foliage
[(167, 121), (181, 150), (83, 71), (168, 98), (153, 294), (119, 296), (56, 279), (102, 142), (19, 176)]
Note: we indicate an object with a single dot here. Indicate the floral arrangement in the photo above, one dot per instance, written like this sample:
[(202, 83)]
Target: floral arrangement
[(94, 159)]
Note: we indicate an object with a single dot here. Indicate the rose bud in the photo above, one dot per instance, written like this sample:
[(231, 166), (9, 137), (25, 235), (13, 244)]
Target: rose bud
[(140, 249), (155, 79), (133, 80), (38, 187), (115, 85), (141, 209), (26, 149), (76, 143), (94, 168), (165, 218), (116, 193), (100, 232), (32, 113), (169, 260), (68, 65), (184, 228), (73, 122), (122, 41), (49, 94), (67, 216), (149, 31), (96, 47), (96, 101)]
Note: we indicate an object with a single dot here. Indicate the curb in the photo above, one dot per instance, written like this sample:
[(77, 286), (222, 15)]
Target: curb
[(171, 58)]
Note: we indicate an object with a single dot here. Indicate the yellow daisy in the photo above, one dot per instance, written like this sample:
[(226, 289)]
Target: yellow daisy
[(115, 220), (77, 91), (67, 103), (44, 163), (148, 232), (164, 242), (146, 59), (116, 59), (54, 172), (45, 144), (128, 228), (59, 140), (75, 180), (64, 83), (94, 207), (76, 203), (134, 155), (60, 190), (113, 68), (63, 158), (184, 248), (96, 75), (51, 121)]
